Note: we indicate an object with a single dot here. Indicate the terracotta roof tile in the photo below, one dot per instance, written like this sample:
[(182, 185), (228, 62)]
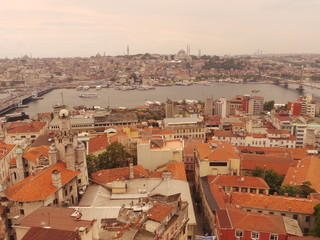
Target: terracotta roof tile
[(238, 181), (34, 153), (39, 186), (38, 233), (305, 171), (176, 168), (98, 143), (222, 151), (5, 149), (277, 203), (26, 127), (159, 212), (257, 222)]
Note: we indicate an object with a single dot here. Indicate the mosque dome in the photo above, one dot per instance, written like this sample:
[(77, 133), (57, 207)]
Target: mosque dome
[(63, 113)]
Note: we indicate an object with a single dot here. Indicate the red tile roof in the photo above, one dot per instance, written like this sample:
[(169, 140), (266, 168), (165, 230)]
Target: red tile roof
[(39, 186), (110, 175), (177, 170), (34, 153), (280, 164), (276, 203), (5, 149), (98, 143), (283, 117), (159, 212), (216, 151), (26, 127), (39, 233), (257, 222), (307, 170), (238, 181)]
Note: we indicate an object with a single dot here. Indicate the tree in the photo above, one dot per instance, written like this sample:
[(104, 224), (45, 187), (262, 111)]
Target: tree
[(272, 178), (114, 156), (316, 214), (268, 106), (303, 191)]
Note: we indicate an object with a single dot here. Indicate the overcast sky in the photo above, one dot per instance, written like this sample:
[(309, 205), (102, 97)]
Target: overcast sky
[(69, 28)]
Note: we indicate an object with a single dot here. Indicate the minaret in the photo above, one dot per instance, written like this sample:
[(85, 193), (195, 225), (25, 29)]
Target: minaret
[(128, 53)]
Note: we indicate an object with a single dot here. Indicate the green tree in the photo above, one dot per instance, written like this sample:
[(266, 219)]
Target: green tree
[(292, 191), (114, 156), (268, 106), (316, 214), (272, 178)]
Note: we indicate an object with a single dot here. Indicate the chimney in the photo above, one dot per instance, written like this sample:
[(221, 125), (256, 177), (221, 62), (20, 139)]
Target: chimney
[(297, 195), (56, 178), (275, 193), (131, 173), (286, 194), (166, 175)]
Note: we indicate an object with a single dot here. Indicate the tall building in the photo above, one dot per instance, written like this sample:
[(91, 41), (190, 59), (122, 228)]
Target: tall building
[(208, 104), (220, 108), (171, 109)]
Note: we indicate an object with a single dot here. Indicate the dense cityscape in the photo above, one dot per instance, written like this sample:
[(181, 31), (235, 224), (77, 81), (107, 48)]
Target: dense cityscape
[(222, 168)]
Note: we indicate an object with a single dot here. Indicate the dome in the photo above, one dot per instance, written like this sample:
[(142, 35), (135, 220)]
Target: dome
[(63, 113), (181, 55)]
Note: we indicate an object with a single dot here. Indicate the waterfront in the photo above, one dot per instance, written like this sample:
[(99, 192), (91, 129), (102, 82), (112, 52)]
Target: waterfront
[(116, 98)]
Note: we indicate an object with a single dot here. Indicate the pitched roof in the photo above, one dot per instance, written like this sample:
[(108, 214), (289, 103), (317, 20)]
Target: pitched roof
[(159, 212), (25, 127), (5, 149), (98, 143), (39, 233), (280, 164), (216, 151), (306, 170), (39, 186), (257, 222), (238, 181), (176, 168), (277, 203), (34, 153), (60, 218), (110, 175)]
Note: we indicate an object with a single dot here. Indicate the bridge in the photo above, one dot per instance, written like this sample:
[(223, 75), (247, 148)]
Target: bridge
[(285, 83), (14, 101)]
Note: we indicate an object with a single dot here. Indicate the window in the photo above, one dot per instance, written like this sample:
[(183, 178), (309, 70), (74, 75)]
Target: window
[(21, 211), (305, 231), (271, 213), (295, 216), (307, 218), (273, 236), (218, 164), (70, 189), (283, 214), (239, 233), (254, 235)]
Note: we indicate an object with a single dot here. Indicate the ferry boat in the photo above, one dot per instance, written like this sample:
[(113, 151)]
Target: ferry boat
[(89, 95), (256, 90)]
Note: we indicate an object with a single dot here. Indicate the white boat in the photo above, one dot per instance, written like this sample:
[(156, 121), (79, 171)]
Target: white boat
[(86, 88), (79, 88), (98, 87), (89, 95)]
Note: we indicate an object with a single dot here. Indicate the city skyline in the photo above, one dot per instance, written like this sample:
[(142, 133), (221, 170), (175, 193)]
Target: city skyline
[(60, 29)]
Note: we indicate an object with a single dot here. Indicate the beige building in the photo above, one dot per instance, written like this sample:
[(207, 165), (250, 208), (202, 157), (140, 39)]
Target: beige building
[(157, 151), (216, 158), (192, 127)]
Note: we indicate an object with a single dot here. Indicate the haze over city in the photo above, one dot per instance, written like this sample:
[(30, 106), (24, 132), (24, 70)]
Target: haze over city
[(84, 28)]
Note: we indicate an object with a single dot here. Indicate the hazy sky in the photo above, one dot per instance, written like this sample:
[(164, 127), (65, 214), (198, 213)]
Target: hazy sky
[(69, 28)]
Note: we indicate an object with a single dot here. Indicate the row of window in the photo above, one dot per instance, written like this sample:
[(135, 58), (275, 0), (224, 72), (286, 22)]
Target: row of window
[(256, 235)]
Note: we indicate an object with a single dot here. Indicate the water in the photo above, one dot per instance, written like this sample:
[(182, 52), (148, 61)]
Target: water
[(133, 98)]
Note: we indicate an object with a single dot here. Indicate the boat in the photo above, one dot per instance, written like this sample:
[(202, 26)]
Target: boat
[(256, 90), (79, 88), (89, 95), (98, 87), (86, 88)]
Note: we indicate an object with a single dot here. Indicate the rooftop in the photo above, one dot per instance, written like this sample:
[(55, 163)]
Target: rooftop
[(39, 186)]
